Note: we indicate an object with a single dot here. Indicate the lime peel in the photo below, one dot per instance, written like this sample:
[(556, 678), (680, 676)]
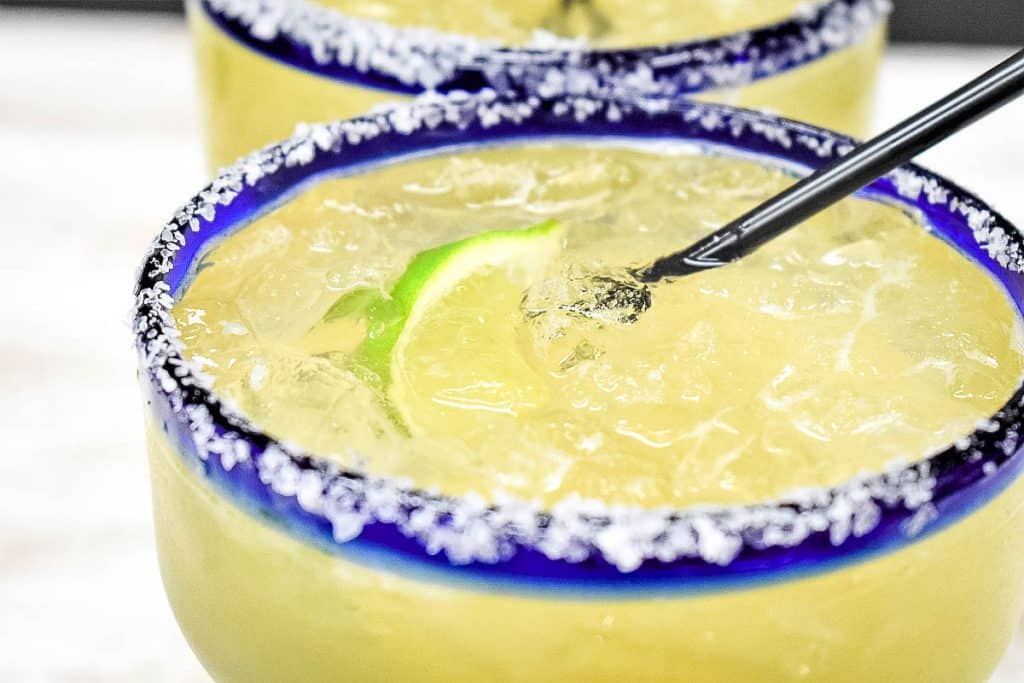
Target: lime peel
[(428, 278)]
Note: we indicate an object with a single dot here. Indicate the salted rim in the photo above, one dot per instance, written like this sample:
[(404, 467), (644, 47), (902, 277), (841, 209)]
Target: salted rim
[(576, 538), (328, 43)]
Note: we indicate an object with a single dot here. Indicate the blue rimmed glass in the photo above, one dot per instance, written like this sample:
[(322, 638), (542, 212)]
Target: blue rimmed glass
[(265, 64), (279, 563)]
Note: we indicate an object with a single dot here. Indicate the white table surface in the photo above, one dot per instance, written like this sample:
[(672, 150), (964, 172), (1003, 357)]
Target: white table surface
[(98, 145)]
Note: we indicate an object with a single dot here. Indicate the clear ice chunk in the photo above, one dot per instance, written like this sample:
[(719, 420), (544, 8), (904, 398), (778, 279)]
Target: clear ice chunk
[(605, 297)]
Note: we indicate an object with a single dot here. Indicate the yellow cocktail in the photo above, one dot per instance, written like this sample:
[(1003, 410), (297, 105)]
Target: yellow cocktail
[(264, 65), (753, 481)]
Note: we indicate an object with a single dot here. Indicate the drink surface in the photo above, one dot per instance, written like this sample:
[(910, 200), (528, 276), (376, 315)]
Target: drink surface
[(605, 23), (852, 341)]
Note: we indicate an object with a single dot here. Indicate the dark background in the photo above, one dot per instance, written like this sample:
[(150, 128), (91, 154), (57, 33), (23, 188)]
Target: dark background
[(994, 22)]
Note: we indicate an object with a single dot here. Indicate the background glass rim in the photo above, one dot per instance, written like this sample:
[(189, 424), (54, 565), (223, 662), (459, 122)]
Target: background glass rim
[(813, 32)]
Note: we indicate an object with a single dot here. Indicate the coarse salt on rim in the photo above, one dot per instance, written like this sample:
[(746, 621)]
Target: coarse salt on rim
[(326, 42), (468, 530)]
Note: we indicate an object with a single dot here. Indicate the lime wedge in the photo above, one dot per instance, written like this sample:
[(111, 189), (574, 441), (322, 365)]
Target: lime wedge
[(442, 345)]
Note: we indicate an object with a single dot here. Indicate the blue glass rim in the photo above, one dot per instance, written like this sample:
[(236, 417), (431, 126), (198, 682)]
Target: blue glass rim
[(383, 522), (326, 43)]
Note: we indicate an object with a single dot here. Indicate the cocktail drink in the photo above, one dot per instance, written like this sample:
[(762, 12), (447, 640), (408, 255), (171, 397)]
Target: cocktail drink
[(396, 433), (265, 64)]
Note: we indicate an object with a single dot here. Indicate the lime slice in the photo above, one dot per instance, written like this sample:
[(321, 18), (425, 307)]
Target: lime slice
[(442, 345)]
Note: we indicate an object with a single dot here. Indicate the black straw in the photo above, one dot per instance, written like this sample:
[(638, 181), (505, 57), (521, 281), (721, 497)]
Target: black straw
[(845, 176)]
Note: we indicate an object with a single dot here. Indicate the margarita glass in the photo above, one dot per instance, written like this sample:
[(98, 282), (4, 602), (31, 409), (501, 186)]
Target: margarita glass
[(265, 64), (284, 565)]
